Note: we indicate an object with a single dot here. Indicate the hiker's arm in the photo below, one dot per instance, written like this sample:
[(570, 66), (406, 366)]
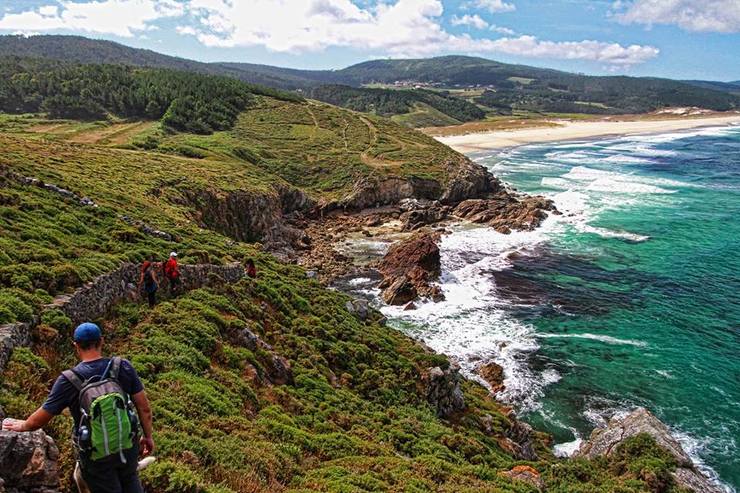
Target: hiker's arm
[(36, 421), (141, 401)]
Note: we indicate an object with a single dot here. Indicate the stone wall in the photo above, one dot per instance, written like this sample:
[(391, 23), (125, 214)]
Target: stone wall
[(12, 336), (95, 299)]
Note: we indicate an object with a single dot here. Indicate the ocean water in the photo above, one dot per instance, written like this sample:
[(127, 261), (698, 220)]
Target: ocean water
[(630, 298)]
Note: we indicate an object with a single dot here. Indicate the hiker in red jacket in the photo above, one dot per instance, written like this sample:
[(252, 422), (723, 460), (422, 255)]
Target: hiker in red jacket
[(172, 272)]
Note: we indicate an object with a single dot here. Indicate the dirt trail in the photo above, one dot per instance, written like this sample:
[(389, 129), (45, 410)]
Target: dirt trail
[(117, 133), (374, 161)]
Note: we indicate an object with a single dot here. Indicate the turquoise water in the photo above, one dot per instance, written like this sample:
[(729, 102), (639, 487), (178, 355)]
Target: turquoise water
[(633, 297)]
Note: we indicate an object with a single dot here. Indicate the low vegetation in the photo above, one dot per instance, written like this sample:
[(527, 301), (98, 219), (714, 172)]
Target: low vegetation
[(353, 416)]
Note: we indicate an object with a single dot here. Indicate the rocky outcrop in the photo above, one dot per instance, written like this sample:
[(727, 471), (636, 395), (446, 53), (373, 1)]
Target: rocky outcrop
[(526, 474), (493, 374), (443, 391), (605, 441), (506, 212), (359, 308), (468, 181), (374, 192), (519, 440), (277, 368), (251, 216), (28, 463), (409, 270)]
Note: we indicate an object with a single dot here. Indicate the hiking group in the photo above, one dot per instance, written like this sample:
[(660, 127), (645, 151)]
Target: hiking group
[(111, 413), (149, 281), (109, 406)]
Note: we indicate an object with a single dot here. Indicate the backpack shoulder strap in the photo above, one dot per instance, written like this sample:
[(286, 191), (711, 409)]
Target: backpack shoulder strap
[(74, 379), (114, 367)]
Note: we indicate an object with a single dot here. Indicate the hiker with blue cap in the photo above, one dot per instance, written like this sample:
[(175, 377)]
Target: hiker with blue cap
[(109, 406)]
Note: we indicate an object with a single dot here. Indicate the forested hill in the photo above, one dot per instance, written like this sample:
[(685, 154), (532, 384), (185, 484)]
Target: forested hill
[(84, 50), (182, 100), (497, 87)]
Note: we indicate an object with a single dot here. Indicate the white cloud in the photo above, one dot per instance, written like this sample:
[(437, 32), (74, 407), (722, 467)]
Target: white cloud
[(389, 27), (469, 20), (502, 30), (613, 54), (118, 17), (692, 15), (493, 6)]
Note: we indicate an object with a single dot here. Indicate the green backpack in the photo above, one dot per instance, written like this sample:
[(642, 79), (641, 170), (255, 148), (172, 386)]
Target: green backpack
[(109, 422)]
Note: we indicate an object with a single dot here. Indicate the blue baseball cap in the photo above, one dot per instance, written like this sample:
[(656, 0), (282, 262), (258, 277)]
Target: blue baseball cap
[(87, 332)]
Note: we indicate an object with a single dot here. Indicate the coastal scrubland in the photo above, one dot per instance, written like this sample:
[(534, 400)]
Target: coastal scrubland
[(354, 414)]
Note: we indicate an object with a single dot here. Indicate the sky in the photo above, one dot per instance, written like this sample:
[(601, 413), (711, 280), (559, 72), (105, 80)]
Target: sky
[(681, 39)]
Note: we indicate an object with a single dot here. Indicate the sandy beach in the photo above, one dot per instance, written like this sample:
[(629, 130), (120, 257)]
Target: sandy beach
[(577, 130)]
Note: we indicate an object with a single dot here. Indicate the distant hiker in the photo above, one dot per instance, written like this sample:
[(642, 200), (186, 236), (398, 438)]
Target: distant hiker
[(172, 272), (107, 402), (251, 269), (148, 282)]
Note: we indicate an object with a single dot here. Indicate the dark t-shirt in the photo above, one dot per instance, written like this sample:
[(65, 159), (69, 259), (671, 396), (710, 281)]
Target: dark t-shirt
[(63, 394)]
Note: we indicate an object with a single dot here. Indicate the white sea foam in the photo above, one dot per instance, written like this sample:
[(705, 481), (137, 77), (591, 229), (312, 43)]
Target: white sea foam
[(596, 337), (694, 448), (472, 324), (567, 449)]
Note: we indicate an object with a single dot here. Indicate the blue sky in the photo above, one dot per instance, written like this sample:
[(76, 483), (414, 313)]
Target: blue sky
[(698, 39)]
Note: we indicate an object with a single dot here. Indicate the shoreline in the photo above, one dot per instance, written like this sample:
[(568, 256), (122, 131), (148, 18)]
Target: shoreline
[(578, 130)]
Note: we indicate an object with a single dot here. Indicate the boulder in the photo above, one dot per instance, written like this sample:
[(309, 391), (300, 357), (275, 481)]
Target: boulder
[(410, 268), (443, 390), (493, 374), (29, 462), (359, 308), (604, 441)]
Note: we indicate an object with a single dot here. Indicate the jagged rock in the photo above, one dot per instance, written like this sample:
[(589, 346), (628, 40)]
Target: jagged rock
[(400, 292), (604, 441), (519, 440), (359, 307), (526, 474), (506, 212), (469, 181), (493, 373), (409, 269), (29, 462), (443, 390), (278, 368), (409, 306), (279, 371)]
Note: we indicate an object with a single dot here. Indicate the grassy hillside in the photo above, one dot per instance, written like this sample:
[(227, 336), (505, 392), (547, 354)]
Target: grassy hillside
[(388, 102), (354, 417)]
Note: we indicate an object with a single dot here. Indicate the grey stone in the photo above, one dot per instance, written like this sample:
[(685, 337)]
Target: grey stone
[(443, 390), (604, 441), (359, 308), (29, 462)]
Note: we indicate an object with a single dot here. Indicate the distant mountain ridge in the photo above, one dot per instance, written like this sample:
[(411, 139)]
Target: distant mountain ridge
[(500, 88)]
